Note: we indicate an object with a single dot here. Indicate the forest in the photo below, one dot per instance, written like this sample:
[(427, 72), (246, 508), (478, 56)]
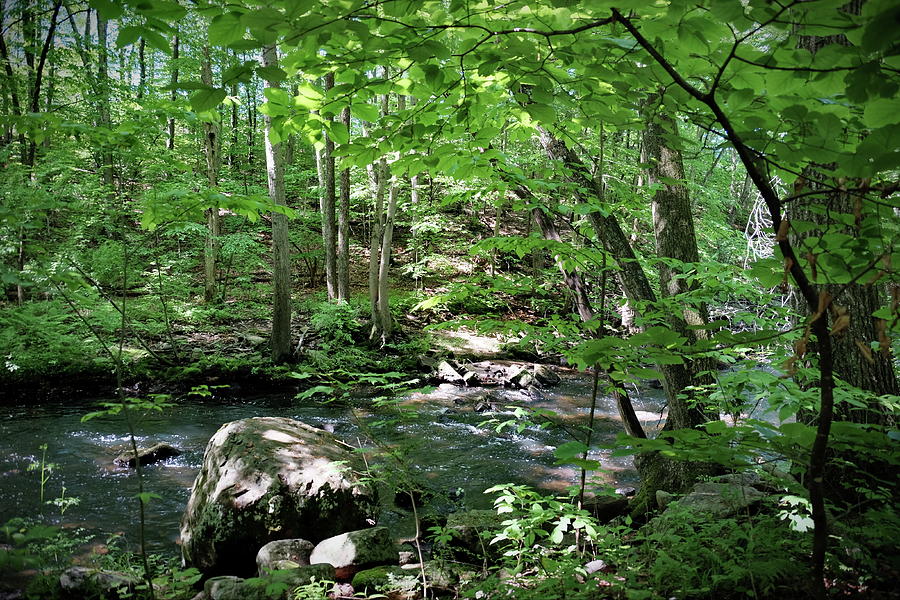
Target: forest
[(449, 299)]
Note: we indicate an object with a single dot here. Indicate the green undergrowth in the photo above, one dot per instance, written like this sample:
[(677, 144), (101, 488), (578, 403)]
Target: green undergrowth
[(544, 547), (61, 342)]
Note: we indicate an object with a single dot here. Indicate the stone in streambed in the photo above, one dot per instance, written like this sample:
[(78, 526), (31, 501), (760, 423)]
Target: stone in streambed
[(147, 456), (229, 587), (470, 542), (355, 551), (270, 478), (84, 582), (448, 374), (281, 554)]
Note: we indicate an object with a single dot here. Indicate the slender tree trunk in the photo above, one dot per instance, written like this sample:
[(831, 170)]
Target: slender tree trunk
[(251, 121), (571, 278), (173, 95), (10, 83), (343, 228), (281, 317), (232, 146), (106, 157), (329, 227), (211, 146), (142, 69), (379, 174), (385, 322)]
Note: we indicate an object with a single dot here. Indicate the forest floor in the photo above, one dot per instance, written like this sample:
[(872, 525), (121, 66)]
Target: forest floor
[(176, 342)]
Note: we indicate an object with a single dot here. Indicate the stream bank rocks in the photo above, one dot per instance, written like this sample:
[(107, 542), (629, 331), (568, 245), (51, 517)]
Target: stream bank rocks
[(84, 582), (488, 373), (270, 478)]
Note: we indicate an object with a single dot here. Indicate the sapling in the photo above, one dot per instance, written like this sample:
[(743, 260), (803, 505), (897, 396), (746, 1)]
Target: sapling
[(63, 502), (45, 468)]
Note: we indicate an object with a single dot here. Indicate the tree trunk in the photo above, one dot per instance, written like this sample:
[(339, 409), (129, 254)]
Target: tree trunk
[(10, 83), (281, 316), (385, 322), (106, 157), (572, 279), (582, 303), (343, 228), (211, 147), (173, 95), (673, 226), (142, 68), (329, 227), (379, 173), (657, 472), (854, 360)]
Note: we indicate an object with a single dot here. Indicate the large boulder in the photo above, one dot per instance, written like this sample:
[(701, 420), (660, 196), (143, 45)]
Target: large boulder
[(270, 478)]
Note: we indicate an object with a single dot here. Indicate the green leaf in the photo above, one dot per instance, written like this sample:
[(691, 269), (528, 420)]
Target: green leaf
[(338, 133), (128, 35), (146, 497), (273, 74), (157, 41), (542, 112), (881, 111), (202, 100), (106, 9), (277, 96), (226, 29), (163, 9), (365, 112), (568, 451)]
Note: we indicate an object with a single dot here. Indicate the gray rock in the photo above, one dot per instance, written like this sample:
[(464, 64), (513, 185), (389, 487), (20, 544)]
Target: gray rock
[(597, 565), (471, 378), (606, 508), (470, 529), (276, 554), (709, 499), (269, 478), (147, 456), (254, 340), (720, 499), (521, 378), (355, 551), (226, 587), (406, 581), (448, 374), (84, 582), (663, 498), (546, 376)]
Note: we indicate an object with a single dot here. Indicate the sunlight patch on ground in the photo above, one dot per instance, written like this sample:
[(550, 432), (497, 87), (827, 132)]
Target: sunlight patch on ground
[(464, 342)]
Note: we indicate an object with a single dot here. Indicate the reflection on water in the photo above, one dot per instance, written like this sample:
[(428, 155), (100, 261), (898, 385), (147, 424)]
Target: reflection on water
[(446, 442)]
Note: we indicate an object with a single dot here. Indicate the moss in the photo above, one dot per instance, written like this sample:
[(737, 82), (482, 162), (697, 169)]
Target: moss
[(384, 579)]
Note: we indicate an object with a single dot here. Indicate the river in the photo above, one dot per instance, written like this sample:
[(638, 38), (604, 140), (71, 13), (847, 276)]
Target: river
[(443, 438)]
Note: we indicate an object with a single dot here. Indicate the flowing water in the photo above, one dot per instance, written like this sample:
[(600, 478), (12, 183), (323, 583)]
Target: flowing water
[(448, 445)]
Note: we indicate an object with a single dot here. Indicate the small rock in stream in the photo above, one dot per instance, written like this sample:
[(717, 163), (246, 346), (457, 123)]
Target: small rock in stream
[(152, 454)]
